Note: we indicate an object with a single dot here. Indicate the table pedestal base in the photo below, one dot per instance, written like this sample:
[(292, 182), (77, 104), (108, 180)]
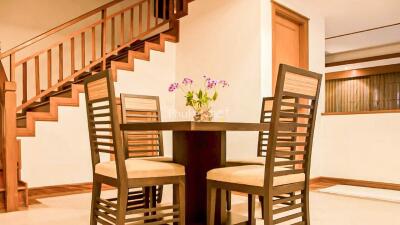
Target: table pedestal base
[(199, 152)]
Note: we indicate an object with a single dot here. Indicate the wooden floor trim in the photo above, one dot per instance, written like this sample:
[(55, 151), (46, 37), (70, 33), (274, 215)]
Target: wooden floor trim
[(353, 182), (60, 190)]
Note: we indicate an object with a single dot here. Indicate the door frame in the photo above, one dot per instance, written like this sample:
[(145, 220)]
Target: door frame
[(302, 21)]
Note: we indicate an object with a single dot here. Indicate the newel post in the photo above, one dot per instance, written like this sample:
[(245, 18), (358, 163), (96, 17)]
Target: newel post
[(10, 146)]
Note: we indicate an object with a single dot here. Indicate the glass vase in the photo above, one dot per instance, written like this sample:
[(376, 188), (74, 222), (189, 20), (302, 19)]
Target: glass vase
[(203, 116)]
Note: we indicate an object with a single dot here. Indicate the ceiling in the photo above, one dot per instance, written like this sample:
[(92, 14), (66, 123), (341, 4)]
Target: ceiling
[(347, 16)]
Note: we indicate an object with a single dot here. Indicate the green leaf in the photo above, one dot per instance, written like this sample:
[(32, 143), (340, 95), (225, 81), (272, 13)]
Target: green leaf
[(200, 94), (215, 96)]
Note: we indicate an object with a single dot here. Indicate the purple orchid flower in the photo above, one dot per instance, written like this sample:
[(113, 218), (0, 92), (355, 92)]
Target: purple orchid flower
[(187, 81), (224, 83), (211, 83), (206, 78), (173, 87)]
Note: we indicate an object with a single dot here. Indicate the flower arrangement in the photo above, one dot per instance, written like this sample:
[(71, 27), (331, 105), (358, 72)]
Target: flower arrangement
[(200, 99)]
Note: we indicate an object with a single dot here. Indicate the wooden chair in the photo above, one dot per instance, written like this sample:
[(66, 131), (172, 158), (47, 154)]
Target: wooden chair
[(129, 176), (142, 108), (259, 159), (148, 146), (283, 184), (265, 117)]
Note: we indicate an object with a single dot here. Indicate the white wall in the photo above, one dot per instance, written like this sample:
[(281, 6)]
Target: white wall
[(60, 151), (361, 146), (231, 39), (222, 40)]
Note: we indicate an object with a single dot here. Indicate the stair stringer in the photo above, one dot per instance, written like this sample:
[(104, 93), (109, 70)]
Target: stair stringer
[(132, 55)]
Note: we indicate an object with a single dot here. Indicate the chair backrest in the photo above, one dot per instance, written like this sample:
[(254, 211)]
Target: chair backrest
[(266, 114), (104, 131), (141, 108), (291, 133)]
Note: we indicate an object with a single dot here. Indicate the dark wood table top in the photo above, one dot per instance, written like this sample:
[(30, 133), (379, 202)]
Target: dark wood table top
[(195, 126)]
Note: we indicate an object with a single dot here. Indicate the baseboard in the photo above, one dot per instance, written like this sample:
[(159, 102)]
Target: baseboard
[(354, 182), (61, 190)]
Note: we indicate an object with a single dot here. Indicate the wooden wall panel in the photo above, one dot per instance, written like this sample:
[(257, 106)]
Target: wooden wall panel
[(378, 92)]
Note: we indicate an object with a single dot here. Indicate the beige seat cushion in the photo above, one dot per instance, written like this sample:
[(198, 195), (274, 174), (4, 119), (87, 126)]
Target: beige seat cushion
[(138, 168), (252, 175), (157, 158), (251, 161)]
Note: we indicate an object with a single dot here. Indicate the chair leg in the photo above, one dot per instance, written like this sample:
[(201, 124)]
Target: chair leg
[(228, 200), (96, 191), (268, 216), (121, 205), (153, 199), (261, 199), (147, 201), (211, 201), (160, 194), (306, 209), (182, 202), (251, 206)]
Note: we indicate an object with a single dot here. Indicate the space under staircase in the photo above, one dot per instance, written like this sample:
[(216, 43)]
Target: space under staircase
[(36, 80)]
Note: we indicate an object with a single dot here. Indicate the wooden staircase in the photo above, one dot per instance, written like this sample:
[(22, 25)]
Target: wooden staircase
[(112, 42), (68, 94)]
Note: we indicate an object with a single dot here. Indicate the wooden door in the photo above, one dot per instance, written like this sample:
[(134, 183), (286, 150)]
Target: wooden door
[(289, 39)]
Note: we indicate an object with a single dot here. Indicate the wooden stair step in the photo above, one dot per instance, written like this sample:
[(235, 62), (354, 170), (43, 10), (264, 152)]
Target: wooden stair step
[(154, 39), (138, 46), (39, 107), (65, 92), (83, 75), (21, 121), (122, 55)]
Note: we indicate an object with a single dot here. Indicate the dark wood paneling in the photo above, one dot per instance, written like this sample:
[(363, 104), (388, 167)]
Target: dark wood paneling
[(363, 94)]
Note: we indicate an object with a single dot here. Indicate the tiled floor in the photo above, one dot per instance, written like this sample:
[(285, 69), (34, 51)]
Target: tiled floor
[(326, 209)]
